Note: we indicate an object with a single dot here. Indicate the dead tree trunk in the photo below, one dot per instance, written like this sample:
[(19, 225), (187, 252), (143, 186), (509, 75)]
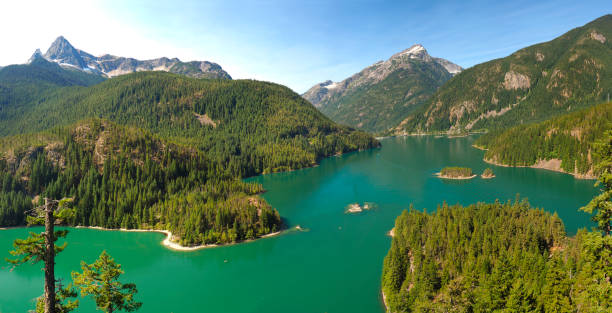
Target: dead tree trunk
[(49, 258)]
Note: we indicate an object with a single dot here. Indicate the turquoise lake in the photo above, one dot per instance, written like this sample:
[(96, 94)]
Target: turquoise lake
[(332, 266)]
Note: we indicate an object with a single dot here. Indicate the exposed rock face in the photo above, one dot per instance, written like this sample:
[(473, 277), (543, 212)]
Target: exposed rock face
[(37, 54), (449, 66), (514, 80), (317, 93), (375, 73), (384, 90), (597, 36), (532, 84), (63, 53)]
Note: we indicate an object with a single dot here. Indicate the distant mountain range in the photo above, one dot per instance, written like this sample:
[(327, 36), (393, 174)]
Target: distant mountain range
[(381, 95), (536, 83), (64, 54)]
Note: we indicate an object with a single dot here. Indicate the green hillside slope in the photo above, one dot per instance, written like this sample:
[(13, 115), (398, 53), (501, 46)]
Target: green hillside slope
[(377, 107), (254, 127), (564, 143), (121, 177), (533, 84), (22, 86), (163, 151)]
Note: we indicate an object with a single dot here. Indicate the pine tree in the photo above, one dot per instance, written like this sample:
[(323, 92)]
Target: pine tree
[(100, 280), (556, 291), (601, 205), (41, 247), (521, 299)]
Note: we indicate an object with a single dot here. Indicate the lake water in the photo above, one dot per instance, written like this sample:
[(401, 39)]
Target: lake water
[(333, 266)]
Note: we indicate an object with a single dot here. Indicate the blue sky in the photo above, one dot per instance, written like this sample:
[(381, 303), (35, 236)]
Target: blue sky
[(295, 43)]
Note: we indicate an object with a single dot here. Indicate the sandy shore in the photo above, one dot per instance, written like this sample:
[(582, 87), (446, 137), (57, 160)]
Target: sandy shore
[(385, 300), (168, 243), (459, 178), (391, 233), (480, 148), (12, 227), (487, 177), (551, 165)]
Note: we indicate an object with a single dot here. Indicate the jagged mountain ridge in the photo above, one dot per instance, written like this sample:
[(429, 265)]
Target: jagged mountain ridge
[(66, 55), (533, 84), (382, 94)]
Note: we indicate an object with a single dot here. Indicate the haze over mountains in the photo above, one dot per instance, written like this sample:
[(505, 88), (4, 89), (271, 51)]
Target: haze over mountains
[(380, 95), (66, 55)]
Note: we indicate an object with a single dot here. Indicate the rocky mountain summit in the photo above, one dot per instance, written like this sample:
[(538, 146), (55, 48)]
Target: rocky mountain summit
[(384, 92), (536, 83), (66, 55)]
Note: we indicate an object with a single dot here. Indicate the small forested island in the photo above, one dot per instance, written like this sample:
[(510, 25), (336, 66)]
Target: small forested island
[(487, 174), (456, 173)]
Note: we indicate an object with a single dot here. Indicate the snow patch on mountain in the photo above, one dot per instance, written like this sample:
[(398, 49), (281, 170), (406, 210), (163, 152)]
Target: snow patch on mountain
[(64, 54)]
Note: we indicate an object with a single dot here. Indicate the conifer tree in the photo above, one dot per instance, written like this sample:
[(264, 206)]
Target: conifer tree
[(556, 291), (100, 280), (601, 205), (41, 247)]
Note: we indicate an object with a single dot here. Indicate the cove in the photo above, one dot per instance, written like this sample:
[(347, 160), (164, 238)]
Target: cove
[(332, 266)]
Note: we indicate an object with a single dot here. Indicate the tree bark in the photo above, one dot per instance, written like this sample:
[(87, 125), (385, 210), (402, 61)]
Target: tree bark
[(49, 258)]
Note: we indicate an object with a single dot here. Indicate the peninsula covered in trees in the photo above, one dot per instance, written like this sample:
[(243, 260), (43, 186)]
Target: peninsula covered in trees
[(158, 151), (561, 144)]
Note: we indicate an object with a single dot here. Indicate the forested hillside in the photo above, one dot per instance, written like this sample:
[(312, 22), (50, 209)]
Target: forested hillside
[(160, 150), (495, 258), (567, 139), (23, 86), (252, 127), (123, 177), (536, 83)]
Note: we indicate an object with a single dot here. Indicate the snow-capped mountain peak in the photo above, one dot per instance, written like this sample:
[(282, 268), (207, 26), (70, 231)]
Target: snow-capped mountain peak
[(66, 55), (414, 50)]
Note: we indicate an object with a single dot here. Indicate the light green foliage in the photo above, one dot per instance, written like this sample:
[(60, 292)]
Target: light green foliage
[(593, 289), (569, 138), (601, 205), (101, 281), (62, 302), (33, 250)]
